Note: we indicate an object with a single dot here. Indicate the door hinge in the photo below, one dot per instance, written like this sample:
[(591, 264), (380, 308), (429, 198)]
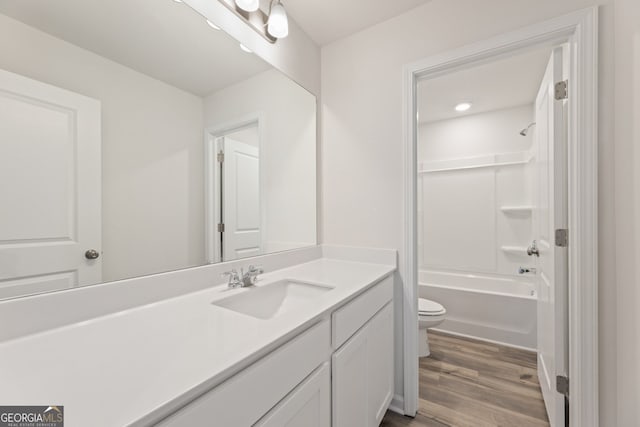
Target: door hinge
[(221, 157), (221, 228), (562, 90), (562, 238), (562, 385)]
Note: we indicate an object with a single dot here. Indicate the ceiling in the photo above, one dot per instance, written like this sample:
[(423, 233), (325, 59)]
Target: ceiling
[(326, 21), (500, 84), (160, 38)]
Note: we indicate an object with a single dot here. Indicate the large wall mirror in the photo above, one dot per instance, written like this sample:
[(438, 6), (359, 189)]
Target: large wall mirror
[(137, 138)]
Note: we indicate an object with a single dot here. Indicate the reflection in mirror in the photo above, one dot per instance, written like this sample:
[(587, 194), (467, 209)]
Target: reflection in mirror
[(237, 224), (135, 139)]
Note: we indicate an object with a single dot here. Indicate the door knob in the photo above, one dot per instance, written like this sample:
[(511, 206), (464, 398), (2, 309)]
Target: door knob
[(91, 254)]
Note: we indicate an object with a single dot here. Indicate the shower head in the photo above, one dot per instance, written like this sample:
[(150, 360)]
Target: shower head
[(524, 131)]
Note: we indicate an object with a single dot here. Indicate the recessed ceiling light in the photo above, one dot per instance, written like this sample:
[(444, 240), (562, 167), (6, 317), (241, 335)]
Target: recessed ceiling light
[(463, 106), (212, 25), (244, 48)]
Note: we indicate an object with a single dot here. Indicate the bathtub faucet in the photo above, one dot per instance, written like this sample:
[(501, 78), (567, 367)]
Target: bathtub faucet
[(523, 270), (533, 249)]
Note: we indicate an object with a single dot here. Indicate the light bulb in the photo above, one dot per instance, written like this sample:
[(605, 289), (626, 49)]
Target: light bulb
[(248, 5), (278, 24), (463, 106)]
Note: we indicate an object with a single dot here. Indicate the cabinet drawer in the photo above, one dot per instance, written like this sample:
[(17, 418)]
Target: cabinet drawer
[(309, 405), (349, 318), (244, 398)]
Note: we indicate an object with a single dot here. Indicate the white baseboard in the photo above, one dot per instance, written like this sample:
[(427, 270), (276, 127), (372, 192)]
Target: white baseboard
[(397, 404), (505, 344)]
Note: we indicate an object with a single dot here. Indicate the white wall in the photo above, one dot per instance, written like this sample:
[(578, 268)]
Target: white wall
[(362, 139), (627, 209), (288, 153), (151, 151), (461, 225), (247, 135), (496, 131)]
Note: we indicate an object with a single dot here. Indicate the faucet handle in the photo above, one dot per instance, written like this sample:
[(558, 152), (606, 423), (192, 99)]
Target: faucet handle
[(232, 275), (533, 249), (255, 269), (251, 276)]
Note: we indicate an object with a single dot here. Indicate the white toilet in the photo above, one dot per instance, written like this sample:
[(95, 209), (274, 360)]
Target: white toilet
[(430, 315)]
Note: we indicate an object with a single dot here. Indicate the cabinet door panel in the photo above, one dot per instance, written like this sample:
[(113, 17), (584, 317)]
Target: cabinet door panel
[(380, 364), (349, 382), (349, 318), (363, 373), (309, 405)]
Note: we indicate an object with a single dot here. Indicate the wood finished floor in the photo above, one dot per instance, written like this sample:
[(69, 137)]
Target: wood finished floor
[(470, 383)]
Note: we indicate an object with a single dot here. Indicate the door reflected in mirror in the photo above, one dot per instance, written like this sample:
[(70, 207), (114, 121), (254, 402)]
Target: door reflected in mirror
[(234, 195), (145, 142)]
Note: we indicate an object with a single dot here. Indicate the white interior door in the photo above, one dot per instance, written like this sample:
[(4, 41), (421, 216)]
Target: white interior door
[(50, 184), (550, 215), (241, 200)]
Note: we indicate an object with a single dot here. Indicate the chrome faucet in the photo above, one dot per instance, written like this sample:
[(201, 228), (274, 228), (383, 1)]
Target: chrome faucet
[(251, 276), (234, 278), (523, 270), (243, 279), (533, 249)]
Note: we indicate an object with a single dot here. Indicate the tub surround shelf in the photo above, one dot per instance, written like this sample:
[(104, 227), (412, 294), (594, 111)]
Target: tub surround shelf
[(479, 162), (171, 352), (519, 250), (468, 213), (517, 210)]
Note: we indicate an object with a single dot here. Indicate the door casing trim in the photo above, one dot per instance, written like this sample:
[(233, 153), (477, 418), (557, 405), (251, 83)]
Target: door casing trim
[(580, 30)]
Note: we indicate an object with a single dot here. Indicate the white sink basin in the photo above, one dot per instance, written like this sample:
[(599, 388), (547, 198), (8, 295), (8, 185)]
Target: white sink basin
[(269, 301)]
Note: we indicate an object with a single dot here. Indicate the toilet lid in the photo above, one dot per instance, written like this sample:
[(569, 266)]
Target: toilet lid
[(426, 306)]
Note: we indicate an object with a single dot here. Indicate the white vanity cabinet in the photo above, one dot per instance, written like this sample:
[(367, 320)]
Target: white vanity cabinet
[(309, 405), (362, 382), (250, 394), (337, 373)]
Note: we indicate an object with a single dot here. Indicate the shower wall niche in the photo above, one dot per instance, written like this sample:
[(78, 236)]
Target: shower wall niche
[(475, 196)]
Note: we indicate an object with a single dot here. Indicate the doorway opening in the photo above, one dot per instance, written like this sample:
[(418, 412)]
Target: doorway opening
[(486, 210), (234, 202), (491, 185)]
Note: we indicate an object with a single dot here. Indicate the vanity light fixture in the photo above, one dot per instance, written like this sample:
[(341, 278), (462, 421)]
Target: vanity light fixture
[(271, 26), (248, 5), (463, 106), (278, 24), (212, 25)]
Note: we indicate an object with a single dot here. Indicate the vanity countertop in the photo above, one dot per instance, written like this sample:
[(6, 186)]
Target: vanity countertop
[(137, 365)]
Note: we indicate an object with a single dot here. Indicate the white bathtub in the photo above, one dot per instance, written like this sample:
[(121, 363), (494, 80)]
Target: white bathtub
[(488, 307)]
